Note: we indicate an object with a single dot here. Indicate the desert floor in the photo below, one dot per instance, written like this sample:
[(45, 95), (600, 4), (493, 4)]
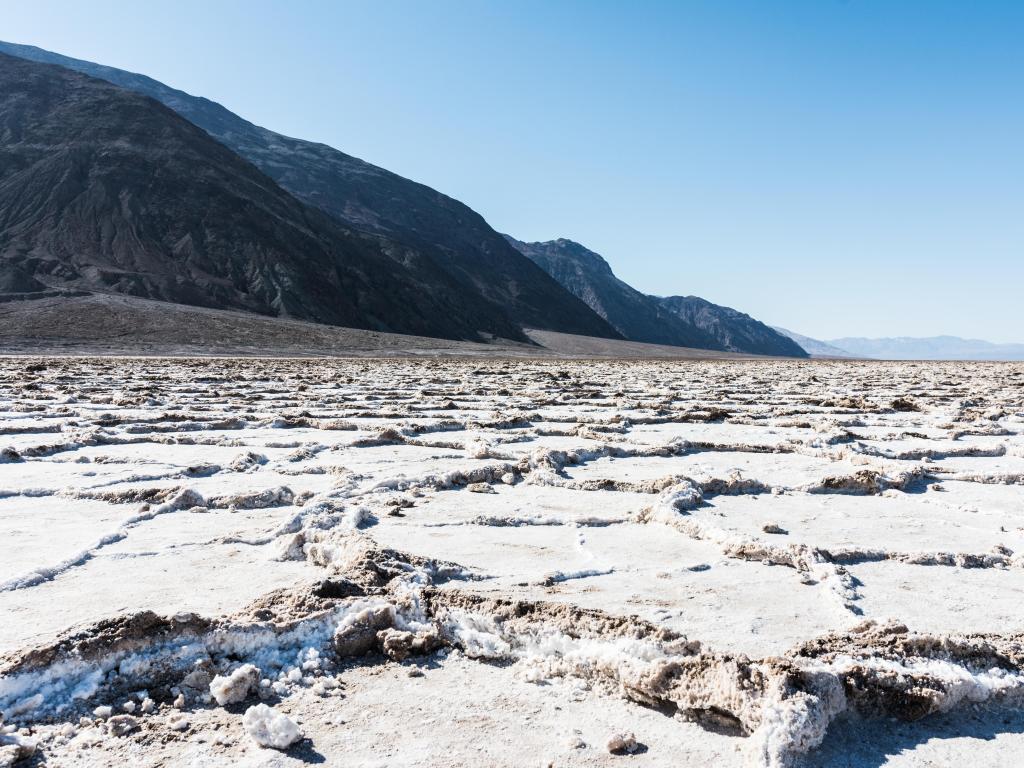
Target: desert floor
[(446, 562)]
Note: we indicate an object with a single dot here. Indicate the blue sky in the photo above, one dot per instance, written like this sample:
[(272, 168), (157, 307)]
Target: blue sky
[(837, 167)]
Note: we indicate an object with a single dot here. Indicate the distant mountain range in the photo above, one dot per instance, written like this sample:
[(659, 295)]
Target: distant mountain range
[(112, 182), (931, 348), (686, 321), (814, 346), (908, 348)]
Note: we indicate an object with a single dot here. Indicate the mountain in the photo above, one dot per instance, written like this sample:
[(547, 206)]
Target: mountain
[(814, 347), (635, 315), (736, 331), (931, 348), (103, 189), (431, 227), (115, 324), (679, 321)]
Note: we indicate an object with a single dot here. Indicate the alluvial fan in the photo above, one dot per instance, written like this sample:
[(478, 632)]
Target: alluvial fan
[(441, 562)]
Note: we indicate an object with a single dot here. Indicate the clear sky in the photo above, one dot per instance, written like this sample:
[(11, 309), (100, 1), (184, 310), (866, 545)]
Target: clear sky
[(836, 167)]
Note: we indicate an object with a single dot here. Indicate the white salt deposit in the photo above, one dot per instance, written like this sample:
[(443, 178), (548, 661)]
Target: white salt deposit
[(270, 728), (235, 687), (673, 534)]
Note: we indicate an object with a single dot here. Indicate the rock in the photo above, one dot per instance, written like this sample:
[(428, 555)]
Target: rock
[(9, 755), (202, 470), (270, 728), (356, 634), (904, 405), (198, 679), (480, 488), (15, 747), (622, 744), (398, 645), (292, 547), (122, 725), (247, 461), (235, 687), (337, 588), (773, 528)]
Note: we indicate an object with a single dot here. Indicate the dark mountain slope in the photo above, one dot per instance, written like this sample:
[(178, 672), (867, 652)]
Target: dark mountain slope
[(687, 322), (105, 189), (371, 199), (735, 330), (115, 324), (635, 315)]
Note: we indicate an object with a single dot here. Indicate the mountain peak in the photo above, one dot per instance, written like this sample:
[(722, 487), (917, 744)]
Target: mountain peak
[(564, 248), (103, 189), (735, 330), (687, 321), (419, 224)]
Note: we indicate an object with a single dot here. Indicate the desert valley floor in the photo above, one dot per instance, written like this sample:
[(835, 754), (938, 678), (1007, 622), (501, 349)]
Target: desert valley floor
[(510, 563)]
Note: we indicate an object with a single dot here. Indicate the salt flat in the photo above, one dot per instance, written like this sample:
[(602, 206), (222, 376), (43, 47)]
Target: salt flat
[(507, 562)]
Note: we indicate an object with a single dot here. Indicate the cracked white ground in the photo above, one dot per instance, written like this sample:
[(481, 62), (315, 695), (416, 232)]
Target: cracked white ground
[(476, 563)]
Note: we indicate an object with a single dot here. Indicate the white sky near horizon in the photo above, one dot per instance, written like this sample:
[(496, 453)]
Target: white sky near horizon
[(836, 167)]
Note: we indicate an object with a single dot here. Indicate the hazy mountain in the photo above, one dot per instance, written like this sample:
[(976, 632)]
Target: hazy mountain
[(635, 315), (734, 330), (687, 322), (431, 226), (108, 190), (931, 348), (814, 347)]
